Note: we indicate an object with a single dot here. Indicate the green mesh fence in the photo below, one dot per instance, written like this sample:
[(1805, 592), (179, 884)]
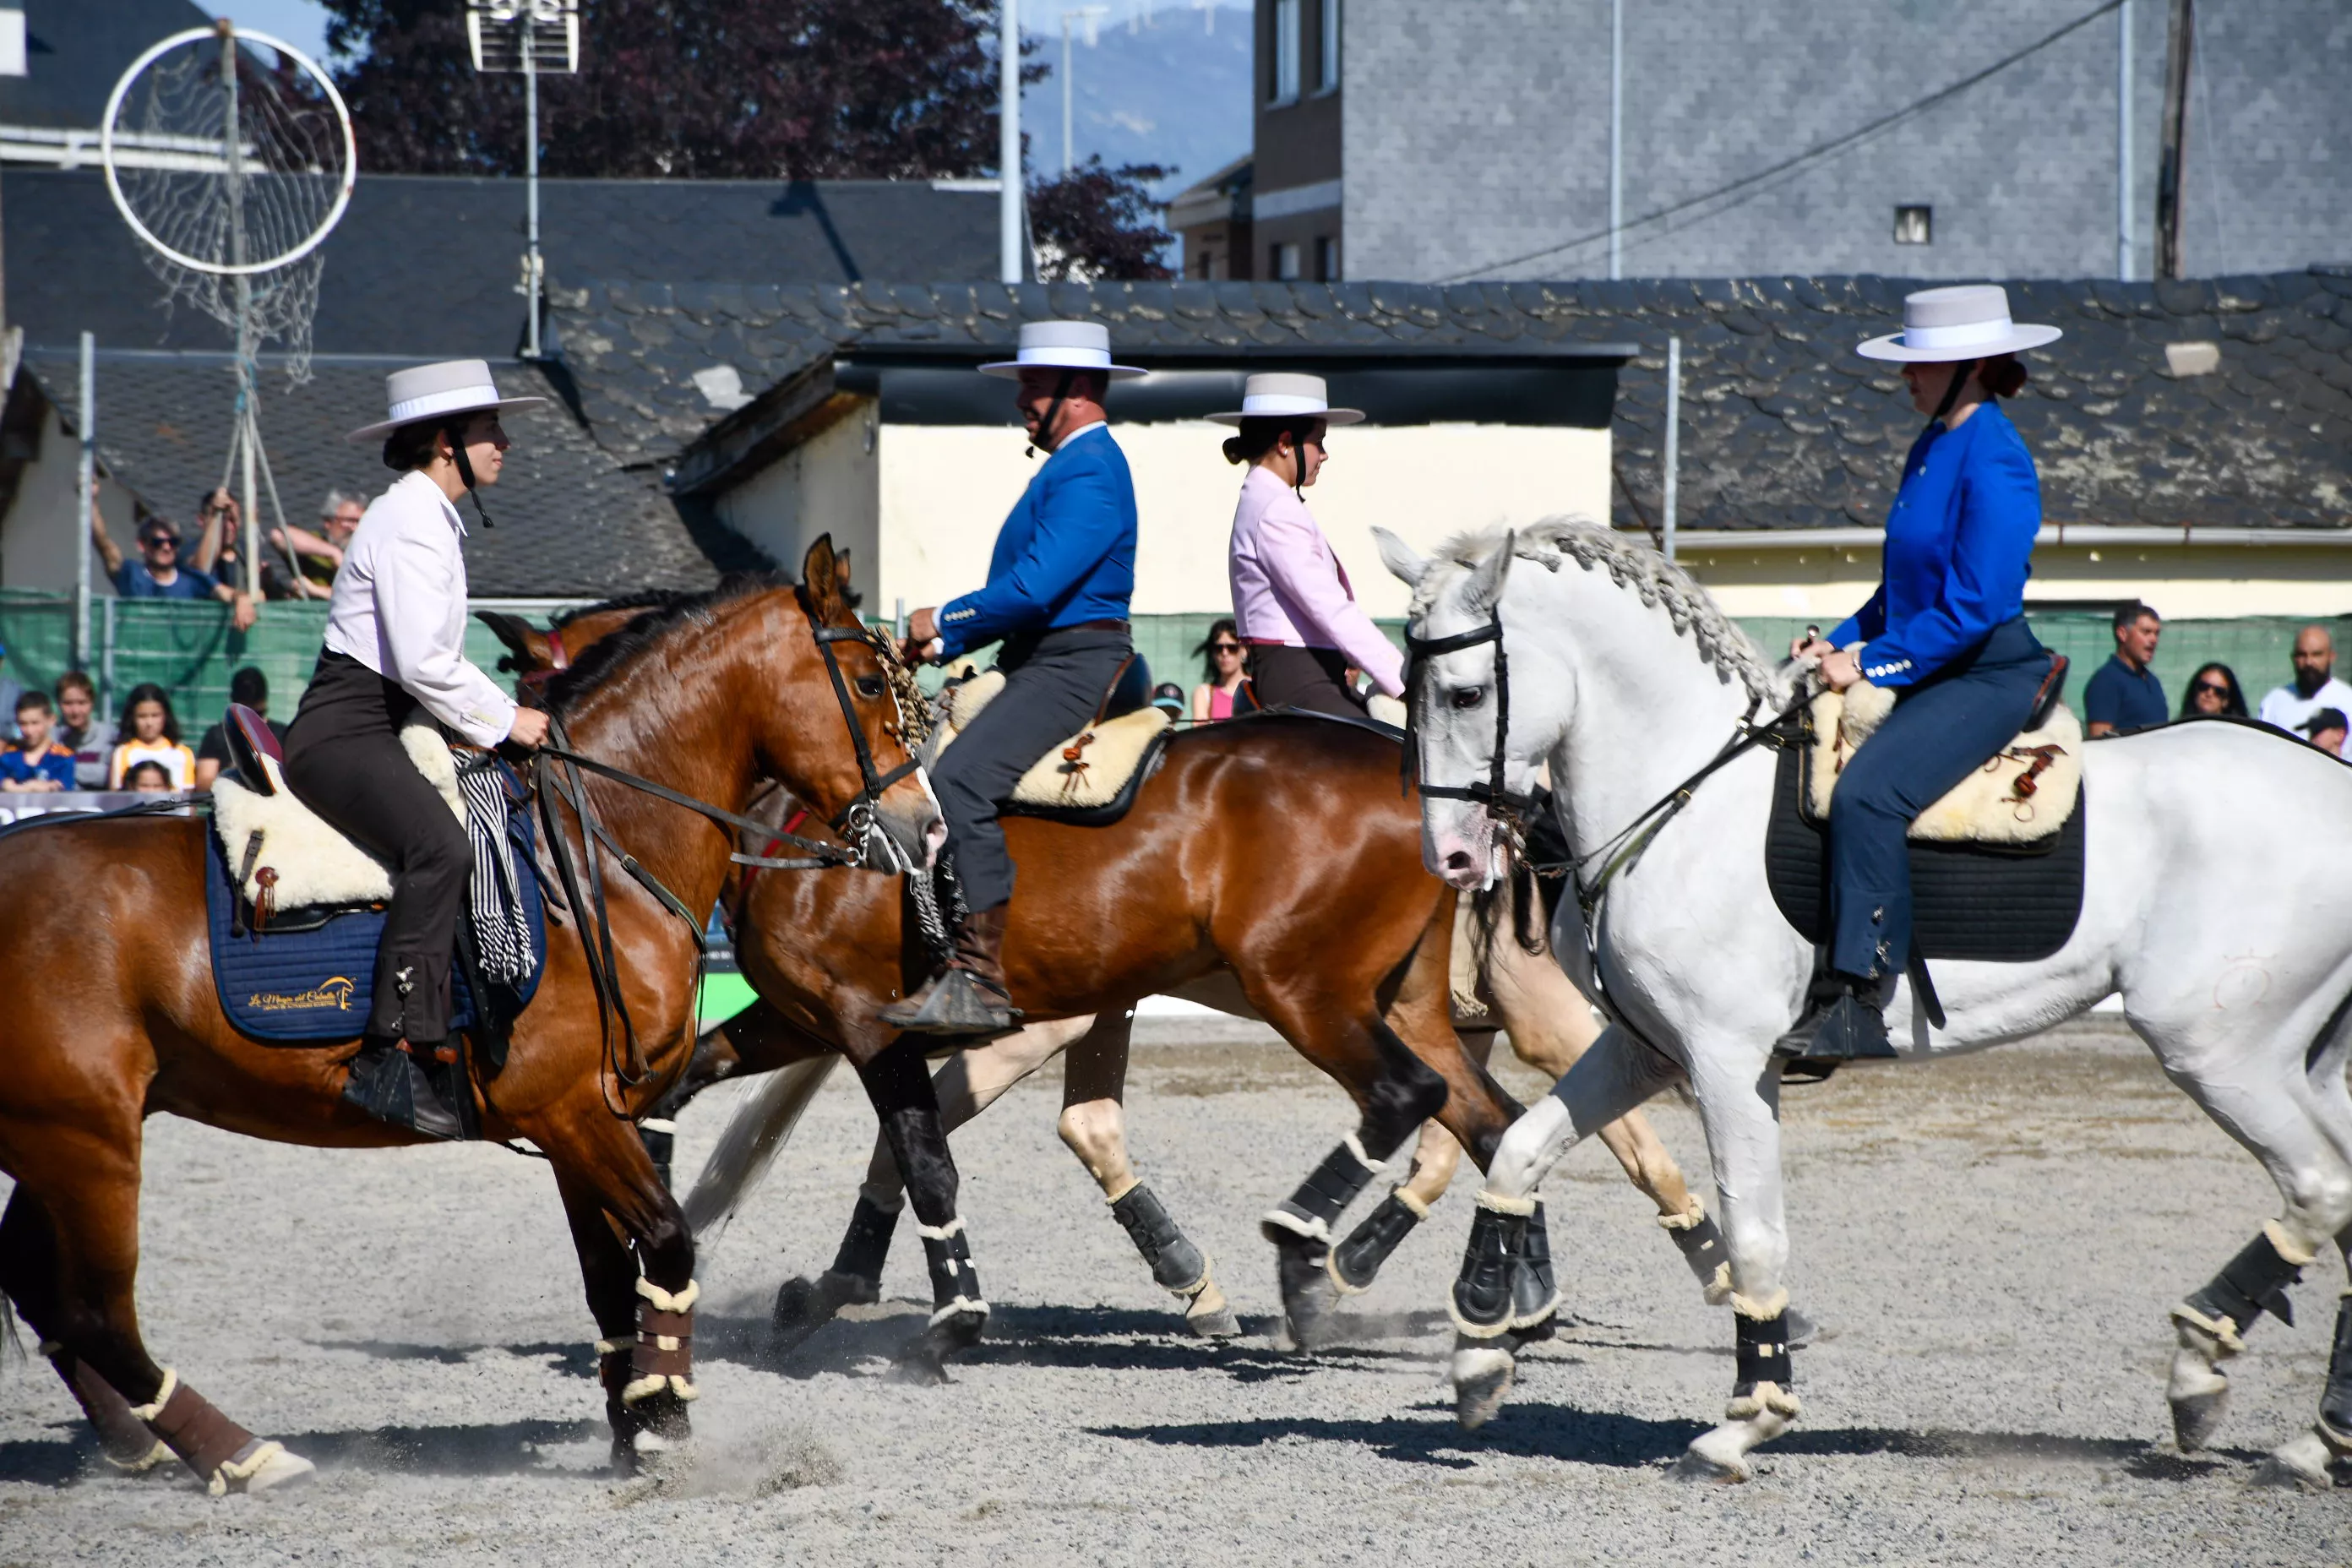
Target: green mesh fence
[(190, 651)]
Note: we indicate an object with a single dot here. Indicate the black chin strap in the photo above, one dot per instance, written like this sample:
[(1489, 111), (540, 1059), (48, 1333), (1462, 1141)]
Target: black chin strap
[(466, 476), (1053, 412), (1961, 370)]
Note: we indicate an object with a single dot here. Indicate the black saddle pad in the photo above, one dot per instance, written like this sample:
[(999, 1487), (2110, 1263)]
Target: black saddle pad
[(1972, 902)]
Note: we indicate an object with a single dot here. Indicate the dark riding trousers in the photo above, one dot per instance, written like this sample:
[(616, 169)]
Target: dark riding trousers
[(344, 760), (1053, 685), (1315, 678), (1941, 730)]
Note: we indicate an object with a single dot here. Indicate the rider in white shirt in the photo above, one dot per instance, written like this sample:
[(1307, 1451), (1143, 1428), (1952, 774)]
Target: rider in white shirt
[(396, 644)]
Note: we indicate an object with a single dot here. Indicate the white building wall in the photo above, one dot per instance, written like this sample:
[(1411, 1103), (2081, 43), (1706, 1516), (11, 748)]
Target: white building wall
[(945, 489), (825, 484), (41, 535)]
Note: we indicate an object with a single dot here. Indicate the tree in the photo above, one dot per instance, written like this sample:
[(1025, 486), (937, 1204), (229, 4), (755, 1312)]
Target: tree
[(707, 89), (1099, 223)]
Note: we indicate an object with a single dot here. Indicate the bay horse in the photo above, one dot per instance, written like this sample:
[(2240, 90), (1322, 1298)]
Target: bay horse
[(2216, 901), (1226, 851), (116, 1016)]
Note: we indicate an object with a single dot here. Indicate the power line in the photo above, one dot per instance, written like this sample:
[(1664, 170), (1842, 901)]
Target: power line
[(1809, 155)]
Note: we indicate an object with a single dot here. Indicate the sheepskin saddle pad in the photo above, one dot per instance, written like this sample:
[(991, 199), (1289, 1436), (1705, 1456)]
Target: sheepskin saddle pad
[(287, 859), (1089, 779), (2025, 793)]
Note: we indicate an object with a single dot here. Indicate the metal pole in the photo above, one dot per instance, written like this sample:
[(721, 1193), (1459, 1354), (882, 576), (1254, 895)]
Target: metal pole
[(1616, 137), (1009, 267), (530, 173), (2123, 142), (1673, 442), (89, 472), (1065, 94), (2180, 36), (247, 431)]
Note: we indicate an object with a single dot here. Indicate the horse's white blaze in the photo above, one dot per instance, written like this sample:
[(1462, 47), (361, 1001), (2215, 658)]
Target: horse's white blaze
[(2218, 888)]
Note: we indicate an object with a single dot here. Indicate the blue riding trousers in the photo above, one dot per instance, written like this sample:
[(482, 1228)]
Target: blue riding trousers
[(1941, 730)]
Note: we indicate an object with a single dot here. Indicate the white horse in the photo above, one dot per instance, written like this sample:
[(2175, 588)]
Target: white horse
[(2217, 900)]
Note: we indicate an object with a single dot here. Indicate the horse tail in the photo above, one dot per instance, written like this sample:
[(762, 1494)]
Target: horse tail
[(748, 1146)]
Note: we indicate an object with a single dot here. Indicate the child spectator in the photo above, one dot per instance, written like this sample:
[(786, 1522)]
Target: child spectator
[(81, 731), (147, 778), (154, 736), (249, 687), (36, 763)]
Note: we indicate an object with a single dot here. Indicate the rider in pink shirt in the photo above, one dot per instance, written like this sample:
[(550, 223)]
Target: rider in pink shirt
[(1291, 595)]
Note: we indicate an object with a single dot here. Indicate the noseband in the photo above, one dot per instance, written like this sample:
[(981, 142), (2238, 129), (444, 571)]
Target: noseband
[(856, 821), (1510, 809)]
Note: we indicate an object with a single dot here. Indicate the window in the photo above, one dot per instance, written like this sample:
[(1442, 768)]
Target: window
[(1327, 77), (1915, 225), (1285, 260), (1286, 51), (1327, 260)]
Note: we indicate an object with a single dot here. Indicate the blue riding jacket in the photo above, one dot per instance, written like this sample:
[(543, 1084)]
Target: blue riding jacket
[(1065, 554), (1958, 540)]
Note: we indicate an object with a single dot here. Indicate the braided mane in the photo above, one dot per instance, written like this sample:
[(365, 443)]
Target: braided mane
[(1636, 566)]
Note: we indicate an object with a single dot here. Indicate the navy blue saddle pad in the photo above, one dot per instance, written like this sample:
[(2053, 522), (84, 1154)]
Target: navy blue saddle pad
[(313, 979)]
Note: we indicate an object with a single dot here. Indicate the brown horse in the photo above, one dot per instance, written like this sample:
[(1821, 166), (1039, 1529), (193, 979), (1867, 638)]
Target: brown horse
[(117, 1017), (1296, 826)]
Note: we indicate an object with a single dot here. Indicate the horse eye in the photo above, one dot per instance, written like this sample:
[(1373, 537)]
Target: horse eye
[(1469, 696), (870, 686)]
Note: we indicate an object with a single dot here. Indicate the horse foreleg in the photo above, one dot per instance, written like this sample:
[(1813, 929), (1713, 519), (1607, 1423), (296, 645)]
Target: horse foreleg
[(610, 1275), (1358, 1260), (28, 1276), (900, 1089), (1093, 1126)]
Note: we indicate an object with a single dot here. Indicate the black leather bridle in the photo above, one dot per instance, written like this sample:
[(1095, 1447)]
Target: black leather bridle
[(1506, 806)]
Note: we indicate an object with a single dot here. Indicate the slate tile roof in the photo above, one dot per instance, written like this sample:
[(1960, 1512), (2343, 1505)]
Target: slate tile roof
[(570, 521), (1784, 426)]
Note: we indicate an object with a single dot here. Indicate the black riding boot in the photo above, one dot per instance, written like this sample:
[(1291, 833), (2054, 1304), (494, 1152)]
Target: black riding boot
[(390, 1084), (1844, 1021), (971, 999)]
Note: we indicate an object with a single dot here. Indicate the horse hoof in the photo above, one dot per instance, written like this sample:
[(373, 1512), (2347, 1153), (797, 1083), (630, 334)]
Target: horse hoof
[(1308, 1294), (1216, 1325), (2195, 1417), (924, 1362), (1801, 1329), (803, 1306), (277, 1467), (1482, 1376), (2304, 1463), (1696, 1466), (158, 1454)]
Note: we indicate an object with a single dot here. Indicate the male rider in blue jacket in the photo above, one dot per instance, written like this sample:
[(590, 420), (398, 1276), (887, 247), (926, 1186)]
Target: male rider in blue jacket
[(1056, 599)]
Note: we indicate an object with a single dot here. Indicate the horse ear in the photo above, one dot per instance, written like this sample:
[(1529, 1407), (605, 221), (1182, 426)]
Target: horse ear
[(1399, 557), (527, 648), (841, 571), (1486, 586), (818, 579)]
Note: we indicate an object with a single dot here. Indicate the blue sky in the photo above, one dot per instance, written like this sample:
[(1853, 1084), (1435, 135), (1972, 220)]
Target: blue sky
[(302, 23)]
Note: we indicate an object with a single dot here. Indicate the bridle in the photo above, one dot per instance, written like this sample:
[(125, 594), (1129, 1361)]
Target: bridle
[(854, 822), (1508, 808)]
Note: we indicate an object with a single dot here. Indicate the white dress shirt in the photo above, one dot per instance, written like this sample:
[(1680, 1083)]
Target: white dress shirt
[(399, 607)]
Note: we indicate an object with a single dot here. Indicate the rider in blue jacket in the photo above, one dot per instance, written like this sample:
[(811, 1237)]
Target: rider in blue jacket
[(1946, 631), (1056, 602)]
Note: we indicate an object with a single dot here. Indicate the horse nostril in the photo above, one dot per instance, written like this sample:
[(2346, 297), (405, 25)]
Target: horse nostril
[(1459, 860)]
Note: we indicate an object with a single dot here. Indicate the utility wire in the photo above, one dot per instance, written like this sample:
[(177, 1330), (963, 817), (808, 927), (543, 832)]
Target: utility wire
[(1810, 154)]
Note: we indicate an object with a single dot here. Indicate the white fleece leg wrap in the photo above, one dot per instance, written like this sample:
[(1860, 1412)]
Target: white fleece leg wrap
[(1133, 1182), (1692, 1216), (1762, 1311), (668, 1301), (1767, 1396), (245, 1467), (1407, 1200), (162, 1397), (1356, 1147), (661, 1300), (1717, 1290), (1501, 1204), (941, 1232), (2294, 1251)]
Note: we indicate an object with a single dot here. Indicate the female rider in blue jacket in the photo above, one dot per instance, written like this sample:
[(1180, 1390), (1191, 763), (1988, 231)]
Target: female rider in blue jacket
[(1946, 631)]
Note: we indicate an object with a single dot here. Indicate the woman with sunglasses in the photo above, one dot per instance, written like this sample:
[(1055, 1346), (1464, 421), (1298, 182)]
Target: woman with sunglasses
[(1225, 689), (1297, 615), (2213, 693)]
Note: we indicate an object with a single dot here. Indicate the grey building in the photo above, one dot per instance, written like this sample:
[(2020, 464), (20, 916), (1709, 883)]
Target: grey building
[(1956, 139)]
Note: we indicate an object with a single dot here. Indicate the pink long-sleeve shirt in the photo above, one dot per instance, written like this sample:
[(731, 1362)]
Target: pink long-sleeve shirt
[(1289, 588)]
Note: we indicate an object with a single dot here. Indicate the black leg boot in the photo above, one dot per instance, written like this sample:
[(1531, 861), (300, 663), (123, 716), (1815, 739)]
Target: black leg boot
[(803, 1306), (1356, 1262), (1176, 1266), (1300, 1228), (1483, 1305)]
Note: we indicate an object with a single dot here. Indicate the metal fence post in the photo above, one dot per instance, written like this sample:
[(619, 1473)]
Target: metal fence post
[(83, 503), (106, 660), (1673, 443)]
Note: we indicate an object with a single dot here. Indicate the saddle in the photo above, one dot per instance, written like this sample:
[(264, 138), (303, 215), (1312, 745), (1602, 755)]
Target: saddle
[(294, 910), (1991, 879), (1089, 779)]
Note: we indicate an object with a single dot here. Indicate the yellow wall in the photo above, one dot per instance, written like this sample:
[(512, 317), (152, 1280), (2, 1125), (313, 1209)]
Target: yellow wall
[(825, 484)]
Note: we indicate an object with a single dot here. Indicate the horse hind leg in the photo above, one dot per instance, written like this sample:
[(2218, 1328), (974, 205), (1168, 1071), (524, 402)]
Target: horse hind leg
[(900, 1087), (2310, 1459), (28, 1278)]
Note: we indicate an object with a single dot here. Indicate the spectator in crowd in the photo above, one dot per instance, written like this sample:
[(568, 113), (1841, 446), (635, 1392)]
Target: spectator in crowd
[(319, 556), (36, 763), (10, 689), (157, 574), (2213, 692), (2325, 728), (2315, 684), (1225, 689), (153, 735), (2123, 694), (150, 777), (1169, 697), (251, 688), (81, 731)]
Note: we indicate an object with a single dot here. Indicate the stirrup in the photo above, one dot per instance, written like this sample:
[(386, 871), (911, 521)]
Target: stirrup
[(956, 1003), (389, 1084), (1846, 1029)]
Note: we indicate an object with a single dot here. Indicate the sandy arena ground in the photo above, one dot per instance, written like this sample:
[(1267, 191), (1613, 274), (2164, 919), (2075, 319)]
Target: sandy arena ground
[(1992, 1245)]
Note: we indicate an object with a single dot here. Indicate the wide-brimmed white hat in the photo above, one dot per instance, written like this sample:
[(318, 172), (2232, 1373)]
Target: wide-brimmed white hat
[(435, 391), (1061, 345), (1970, 321), (1283, 394)]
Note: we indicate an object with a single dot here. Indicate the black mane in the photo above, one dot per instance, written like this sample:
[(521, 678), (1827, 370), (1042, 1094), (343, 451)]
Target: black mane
[(608, 655), (642, 599)]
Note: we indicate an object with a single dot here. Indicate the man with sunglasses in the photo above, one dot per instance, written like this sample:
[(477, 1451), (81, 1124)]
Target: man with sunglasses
[(157, 572)]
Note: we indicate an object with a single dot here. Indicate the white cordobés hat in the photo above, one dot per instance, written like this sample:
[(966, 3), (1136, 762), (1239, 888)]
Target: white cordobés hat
[(1285, 395), (435, 391), (1970, 322), (1061, 345)]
